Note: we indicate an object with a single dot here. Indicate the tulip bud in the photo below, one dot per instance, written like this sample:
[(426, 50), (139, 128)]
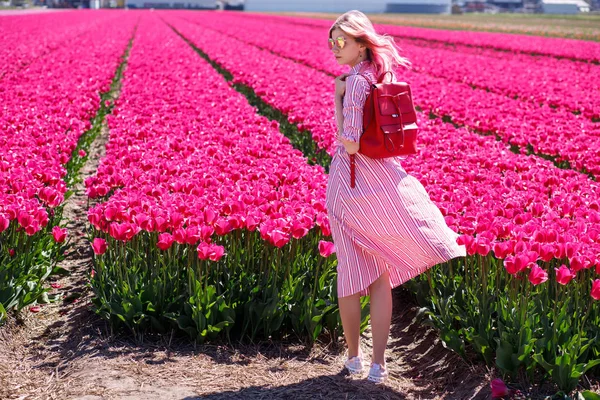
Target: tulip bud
[(326, 248), (596, 289), (499, 389), (564, 275), (99, 246), (59, 234)]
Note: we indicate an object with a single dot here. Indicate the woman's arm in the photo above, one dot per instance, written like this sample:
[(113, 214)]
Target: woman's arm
[(349, 113)]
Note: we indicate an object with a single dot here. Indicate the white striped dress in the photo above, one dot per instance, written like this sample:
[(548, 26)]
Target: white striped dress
[(387, 221)]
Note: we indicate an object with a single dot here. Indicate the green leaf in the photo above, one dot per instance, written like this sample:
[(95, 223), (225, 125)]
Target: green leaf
[(505, 357), (540, 360), (587, 395)]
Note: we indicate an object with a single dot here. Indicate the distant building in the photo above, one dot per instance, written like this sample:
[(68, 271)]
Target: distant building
[(341, 6), (507, 4), (564, 6)]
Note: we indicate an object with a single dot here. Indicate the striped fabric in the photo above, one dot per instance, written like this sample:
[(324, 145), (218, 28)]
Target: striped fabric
[(387, 222)]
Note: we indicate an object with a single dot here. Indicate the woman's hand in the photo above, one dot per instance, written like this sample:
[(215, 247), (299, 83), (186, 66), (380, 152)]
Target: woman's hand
[(340, 85), (350, 146)]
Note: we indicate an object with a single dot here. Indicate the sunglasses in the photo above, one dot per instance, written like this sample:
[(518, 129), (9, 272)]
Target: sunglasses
[(339, 41)]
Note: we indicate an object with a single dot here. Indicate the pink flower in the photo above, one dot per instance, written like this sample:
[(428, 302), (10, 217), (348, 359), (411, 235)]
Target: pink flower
[(24, 219), (278, 238), (596, 289), (482, 246), (82, 153), (499, 389), (537, 275), (564, 275), (467, 241), (203, 250), (4, 223), (210, 251), (11, 252), (206, 232), (216, 252), (165, 240), (59, 234), (56, 285), (299, 230), (502, 249), (326, 248), (35, 309), (222, 227), (100, 246)]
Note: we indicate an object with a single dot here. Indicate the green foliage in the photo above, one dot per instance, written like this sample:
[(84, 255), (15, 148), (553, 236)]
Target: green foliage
[(25, 264), (477, 306), (256, 290)]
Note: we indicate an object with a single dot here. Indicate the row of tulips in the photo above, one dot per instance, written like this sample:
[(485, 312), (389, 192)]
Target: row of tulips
[(586, 51), (524, 26), (557, 83), (210, 221), (528, 183), (558, 133), (524, 222), (26, 38), (46, 113)]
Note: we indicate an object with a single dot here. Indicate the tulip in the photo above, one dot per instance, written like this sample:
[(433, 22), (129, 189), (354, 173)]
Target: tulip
[(596, 289), (216, 252), (482, 246), (576, 263), (211, 251), (203, 250), (24, 219), (326, 248), (278, 238), (499, 389), (59, 234), (165, 240), (99, 246), (222, 227), (4, 223), (564, 275), (537, 275)]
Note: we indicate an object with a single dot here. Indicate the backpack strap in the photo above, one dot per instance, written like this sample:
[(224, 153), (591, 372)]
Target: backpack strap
[(370, 105), (353, 156), (380, 80)]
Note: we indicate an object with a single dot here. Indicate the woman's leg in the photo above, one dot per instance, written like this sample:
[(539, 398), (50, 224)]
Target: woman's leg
[(350, 314), (381, 315)]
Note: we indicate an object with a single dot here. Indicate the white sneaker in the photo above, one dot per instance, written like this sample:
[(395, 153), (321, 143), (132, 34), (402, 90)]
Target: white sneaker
[(378, 373), (354, 365)]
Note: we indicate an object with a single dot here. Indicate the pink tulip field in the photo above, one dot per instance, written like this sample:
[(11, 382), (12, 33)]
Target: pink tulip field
[(47, 105), (208, 216)]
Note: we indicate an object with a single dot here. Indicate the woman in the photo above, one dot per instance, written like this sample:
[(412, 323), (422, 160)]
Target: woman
[(386, 229)]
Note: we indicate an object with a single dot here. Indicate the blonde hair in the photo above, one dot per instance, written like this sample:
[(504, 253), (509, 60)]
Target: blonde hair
[(382, 50)]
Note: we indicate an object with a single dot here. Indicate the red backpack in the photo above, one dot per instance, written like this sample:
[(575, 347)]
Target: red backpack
[(389, 123)]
